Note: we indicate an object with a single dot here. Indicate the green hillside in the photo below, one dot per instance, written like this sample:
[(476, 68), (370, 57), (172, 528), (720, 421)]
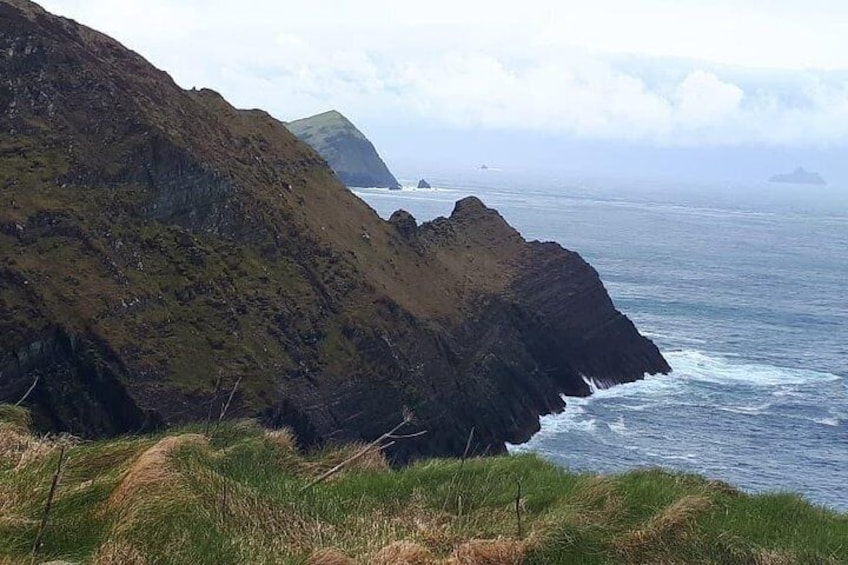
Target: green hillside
[(241, 494)]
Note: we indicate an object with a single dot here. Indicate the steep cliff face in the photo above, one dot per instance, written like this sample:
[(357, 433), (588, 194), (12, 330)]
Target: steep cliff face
[(156, 245), (348, 152)]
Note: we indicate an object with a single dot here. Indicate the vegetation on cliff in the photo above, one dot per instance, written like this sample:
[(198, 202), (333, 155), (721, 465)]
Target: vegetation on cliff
[(242, 496)]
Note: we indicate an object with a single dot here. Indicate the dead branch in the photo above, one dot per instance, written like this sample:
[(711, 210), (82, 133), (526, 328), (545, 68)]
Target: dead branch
[(455, 476), (518, 511), (226, 405), (374, 445), (467, 447), (49, 505), (211, 404), (31, 388), (407, 436), (229, 400)]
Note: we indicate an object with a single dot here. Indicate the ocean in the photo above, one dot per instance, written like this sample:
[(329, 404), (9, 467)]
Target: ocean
[(743, 288)]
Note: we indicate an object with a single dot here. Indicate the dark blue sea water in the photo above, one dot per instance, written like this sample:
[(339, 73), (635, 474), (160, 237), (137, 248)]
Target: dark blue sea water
[(745, 290)]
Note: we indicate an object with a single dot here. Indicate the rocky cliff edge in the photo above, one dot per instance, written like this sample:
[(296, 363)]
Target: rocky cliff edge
[(160, 249)]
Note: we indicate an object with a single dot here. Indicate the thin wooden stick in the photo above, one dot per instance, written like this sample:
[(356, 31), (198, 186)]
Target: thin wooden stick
[(229, 400), (459, 470), (467, 447), (226, 406), (347, 462), (211, 404), (370, 447), (407, 436), (38, 538), (518, 511), (31, 388), (224, 500)]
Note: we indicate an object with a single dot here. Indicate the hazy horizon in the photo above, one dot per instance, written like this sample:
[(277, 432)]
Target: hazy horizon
[(732, 91)]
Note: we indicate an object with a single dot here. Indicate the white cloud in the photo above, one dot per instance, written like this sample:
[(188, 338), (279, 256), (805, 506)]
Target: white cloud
[(703, 99), (533, 65)]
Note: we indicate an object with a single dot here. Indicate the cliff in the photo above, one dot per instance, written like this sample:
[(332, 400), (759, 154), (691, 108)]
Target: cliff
[(348, 152), (157, 245)]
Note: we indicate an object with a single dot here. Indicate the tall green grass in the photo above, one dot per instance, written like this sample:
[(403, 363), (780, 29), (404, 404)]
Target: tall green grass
[(240, 498)]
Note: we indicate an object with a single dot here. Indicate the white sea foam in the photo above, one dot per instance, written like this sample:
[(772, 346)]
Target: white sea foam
[(699, 366), (833, 422), (593, 386), (619, 426), (690, 368), (684, 457)]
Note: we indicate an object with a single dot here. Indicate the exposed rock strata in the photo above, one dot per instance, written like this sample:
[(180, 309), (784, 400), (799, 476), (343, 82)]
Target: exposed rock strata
[(155, 242)]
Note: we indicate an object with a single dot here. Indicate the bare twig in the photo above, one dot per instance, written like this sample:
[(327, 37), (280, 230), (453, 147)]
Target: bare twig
[(229, 400), (226, 405), (376, 444), (211, 404), (467, 447), (459, 470), (359, 455), (407, 436), (518, 511), (224, 500), (49, 505), (28, 392)]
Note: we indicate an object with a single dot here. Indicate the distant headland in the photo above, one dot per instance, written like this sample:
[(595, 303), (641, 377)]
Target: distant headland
[(799, 176), (346, 149)]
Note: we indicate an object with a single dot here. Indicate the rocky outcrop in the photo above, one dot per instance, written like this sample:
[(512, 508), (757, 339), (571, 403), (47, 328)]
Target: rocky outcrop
[(424, 184), (348, 152), (76, 385), (405, 224), (160, 246)]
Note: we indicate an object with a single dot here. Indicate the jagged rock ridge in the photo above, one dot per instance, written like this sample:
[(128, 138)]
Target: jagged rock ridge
[(348, 152), (157, 244)]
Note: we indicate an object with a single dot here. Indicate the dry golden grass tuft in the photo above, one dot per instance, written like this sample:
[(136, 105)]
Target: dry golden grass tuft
[(598, 503), (150, 470), (10, 506), (403, 553), (721, 487), (775, 558), (118, 553), (329, 557), (282, 438), (374, 460), (671, 522), (490, 552), (18, 447)]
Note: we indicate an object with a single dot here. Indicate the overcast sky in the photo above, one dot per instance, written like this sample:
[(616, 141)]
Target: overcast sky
[(769, 72)]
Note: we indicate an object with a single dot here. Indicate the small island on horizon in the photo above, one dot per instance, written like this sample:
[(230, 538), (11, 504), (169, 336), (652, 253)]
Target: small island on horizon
[(799, 176)]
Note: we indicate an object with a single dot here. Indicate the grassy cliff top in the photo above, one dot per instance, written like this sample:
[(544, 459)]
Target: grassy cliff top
[(319, 126), (241, 496)]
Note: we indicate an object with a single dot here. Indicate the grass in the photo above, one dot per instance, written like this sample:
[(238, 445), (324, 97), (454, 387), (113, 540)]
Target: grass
[(238, 498)]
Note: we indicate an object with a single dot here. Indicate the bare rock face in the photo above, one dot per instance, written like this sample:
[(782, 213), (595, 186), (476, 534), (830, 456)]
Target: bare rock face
[(404, 223), (157, 245)]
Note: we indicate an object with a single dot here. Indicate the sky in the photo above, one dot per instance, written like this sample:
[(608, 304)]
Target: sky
[(681, 74)]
